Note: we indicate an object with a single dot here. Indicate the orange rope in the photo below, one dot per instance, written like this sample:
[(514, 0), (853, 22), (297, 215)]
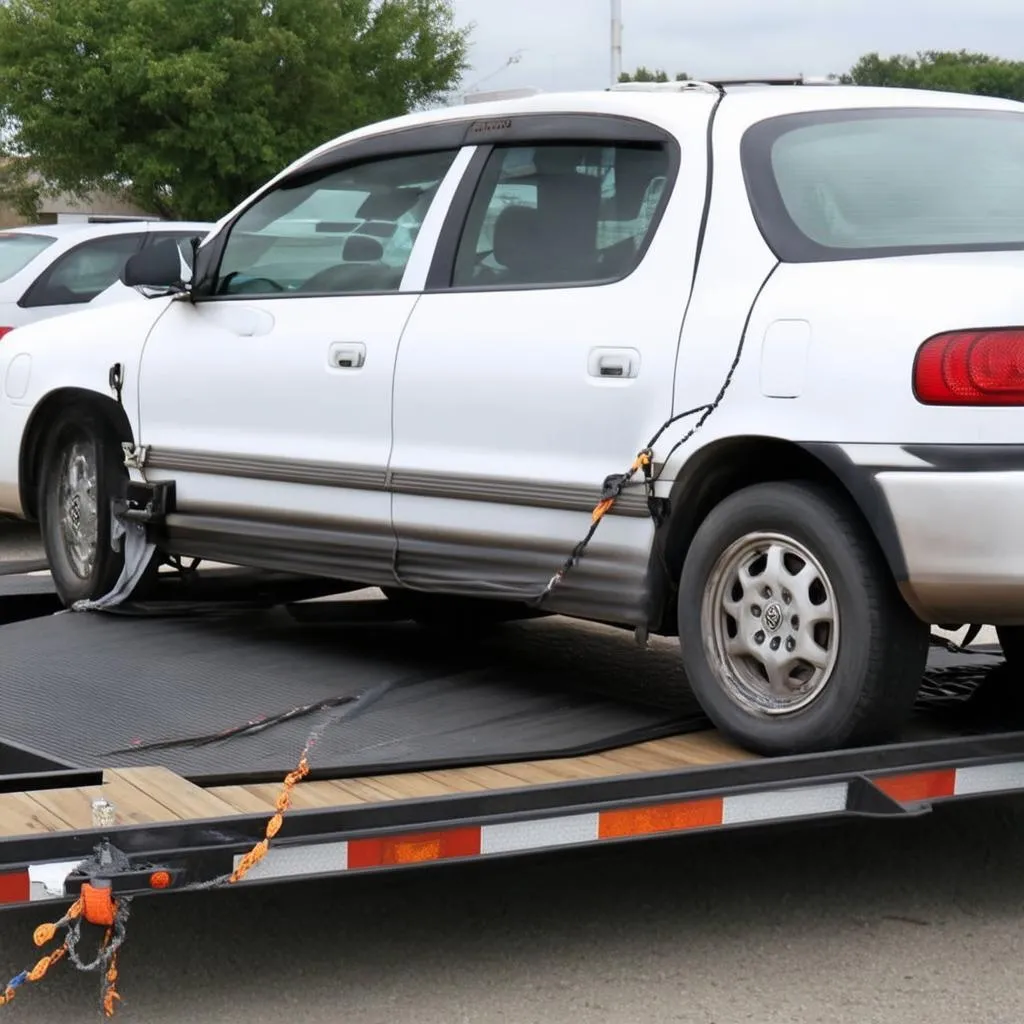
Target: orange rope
[(283, 802)]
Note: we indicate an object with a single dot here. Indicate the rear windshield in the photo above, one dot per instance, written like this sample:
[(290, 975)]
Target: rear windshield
[(858, 183), (16, 251)]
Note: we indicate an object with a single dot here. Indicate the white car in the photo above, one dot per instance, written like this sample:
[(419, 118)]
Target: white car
[(803, 305), (54, 269)]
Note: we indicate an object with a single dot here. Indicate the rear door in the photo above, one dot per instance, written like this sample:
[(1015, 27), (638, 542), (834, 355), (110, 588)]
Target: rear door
[(541, 358)]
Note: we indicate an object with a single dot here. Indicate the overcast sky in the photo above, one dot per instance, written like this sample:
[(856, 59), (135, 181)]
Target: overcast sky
[(565, 43)]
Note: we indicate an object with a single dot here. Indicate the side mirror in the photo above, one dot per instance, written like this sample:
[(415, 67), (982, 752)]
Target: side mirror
[(163, 266)]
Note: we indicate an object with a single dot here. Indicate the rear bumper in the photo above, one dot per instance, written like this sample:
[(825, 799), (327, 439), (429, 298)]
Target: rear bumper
[(962, 537), (949, 520)]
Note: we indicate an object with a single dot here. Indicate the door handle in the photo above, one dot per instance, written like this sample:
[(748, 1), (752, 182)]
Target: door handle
[(346, 355), (613, 363)]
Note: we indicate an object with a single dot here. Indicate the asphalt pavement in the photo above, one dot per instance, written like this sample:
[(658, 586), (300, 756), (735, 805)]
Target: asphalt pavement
[(907, 922)]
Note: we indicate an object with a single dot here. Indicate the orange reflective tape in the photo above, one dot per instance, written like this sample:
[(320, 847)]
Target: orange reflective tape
[(413, 849), (645, 821), (918, 786)]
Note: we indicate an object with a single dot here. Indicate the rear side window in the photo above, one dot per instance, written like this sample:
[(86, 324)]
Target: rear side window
[(561, 215), (17, 251), (834, 185), (83, 272)]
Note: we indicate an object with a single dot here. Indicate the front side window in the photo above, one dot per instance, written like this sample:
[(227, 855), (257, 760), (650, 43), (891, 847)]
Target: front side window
[(561, 215), (344, 231), (82, 273), (856, 183), (18, 250)]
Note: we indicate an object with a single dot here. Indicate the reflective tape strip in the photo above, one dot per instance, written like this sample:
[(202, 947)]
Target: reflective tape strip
[(921, 787), (548, 833), (533, 835), (989, 778), (804, 802)]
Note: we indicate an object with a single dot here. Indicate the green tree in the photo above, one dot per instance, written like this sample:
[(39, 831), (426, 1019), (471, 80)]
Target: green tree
[(644, 74), (192, 104), (959, 71)]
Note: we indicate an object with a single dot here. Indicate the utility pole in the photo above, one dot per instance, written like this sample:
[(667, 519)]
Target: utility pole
[(616, 40)]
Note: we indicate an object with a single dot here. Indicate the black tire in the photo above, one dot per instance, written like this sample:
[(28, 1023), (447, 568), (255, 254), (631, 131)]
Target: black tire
[(82, 436), (869, 678)]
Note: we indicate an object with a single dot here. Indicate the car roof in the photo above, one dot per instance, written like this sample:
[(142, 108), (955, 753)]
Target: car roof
[(97, 230), (665, 104)]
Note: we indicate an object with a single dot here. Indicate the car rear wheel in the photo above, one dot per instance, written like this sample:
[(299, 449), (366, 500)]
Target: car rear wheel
[(793, 634), (81, 471)]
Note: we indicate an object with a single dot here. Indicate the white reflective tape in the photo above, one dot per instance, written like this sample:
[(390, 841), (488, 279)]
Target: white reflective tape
[(535, 835), (988, 778), (295, 861), (46, 881), (784, 803)]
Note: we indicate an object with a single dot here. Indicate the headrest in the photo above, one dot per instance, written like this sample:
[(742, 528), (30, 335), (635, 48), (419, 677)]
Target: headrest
[(515, 237), (362, 249)]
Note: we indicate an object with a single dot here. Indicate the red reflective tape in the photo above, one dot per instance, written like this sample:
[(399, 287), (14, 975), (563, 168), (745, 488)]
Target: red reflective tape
[(15, 887), (918, 786), (415, 848), (645, 821)]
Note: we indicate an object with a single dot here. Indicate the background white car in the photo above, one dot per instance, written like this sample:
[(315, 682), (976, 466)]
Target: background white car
[(50, 269)]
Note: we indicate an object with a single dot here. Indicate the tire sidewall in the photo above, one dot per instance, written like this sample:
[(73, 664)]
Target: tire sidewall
[(70, 429), (809, 520)]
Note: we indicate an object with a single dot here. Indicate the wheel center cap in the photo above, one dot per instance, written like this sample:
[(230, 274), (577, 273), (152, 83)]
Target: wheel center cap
[(772, 617)]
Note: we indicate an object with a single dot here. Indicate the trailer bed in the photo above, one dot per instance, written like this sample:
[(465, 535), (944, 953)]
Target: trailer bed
[(548, 734)]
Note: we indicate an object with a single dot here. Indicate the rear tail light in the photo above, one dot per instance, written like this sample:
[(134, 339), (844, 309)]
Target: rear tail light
[(5, 330), (971, 368)]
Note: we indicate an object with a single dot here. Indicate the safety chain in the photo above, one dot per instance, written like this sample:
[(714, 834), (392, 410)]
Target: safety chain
[(96, 906)]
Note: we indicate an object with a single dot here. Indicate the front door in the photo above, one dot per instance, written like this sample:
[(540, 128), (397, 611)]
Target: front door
[(542, 363), (269, 403)]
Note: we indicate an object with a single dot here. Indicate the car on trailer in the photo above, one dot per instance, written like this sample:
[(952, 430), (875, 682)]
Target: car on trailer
[(411, 359)]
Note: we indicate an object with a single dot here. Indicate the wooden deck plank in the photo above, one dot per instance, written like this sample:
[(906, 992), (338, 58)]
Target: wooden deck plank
[(142, 795), (184, 798), (243, 799), (71, 805), (703, 748), (132, 803), (20, 815)]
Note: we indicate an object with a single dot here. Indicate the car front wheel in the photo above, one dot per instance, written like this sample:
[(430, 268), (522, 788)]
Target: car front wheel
[(80, 472), (793, 634)]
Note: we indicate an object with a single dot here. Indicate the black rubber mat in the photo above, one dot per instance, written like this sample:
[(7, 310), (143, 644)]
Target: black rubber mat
[(101, 689), (221, 693)]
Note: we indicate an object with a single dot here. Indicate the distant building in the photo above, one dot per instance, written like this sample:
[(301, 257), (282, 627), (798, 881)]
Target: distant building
[(65, 208)]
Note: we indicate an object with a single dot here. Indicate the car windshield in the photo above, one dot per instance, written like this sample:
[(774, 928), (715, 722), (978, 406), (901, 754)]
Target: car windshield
[(18, 250), (910, 180)]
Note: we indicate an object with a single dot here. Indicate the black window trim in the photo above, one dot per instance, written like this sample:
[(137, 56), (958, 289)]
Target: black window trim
[(779, 230), (39, 284), (441, 136), (525, 130)]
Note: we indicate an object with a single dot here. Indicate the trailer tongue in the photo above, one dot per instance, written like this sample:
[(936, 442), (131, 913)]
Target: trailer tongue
[(252, 728)]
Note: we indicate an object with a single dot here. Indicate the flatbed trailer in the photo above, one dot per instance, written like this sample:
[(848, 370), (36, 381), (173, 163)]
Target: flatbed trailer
[(145, 750)]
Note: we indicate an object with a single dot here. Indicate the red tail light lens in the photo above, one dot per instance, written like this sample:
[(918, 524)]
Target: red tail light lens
[(5, 330), (971, 368)]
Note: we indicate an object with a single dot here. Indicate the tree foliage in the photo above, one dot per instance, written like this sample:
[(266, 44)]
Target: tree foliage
[(949, 71), (644, 74), (192, 104)]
